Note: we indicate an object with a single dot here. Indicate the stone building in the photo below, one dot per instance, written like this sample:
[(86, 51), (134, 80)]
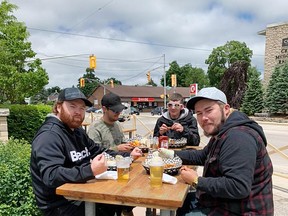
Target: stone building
[(276, 48)]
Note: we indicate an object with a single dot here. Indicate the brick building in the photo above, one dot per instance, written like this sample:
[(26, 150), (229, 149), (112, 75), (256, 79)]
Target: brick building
[(276, 48), (146, 96)]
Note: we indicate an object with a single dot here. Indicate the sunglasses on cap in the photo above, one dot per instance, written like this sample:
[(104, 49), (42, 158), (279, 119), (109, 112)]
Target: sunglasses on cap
[(177, 106)]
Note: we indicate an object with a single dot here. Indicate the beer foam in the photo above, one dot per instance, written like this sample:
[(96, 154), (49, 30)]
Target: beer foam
[(156, 161)]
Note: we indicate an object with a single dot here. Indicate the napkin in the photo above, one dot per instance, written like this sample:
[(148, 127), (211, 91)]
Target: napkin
[(107, 175), (169, 179)]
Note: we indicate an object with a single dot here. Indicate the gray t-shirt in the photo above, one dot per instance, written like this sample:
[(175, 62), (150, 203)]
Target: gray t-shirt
[(109, 136)]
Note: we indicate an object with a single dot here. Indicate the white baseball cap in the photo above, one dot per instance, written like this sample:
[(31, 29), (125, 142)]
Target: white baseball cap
[(210, 93)]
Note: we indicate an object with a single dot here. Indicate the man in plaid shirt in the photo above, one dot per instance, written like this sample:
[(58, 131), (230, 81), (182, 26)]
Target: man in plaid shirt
[(237, 175)]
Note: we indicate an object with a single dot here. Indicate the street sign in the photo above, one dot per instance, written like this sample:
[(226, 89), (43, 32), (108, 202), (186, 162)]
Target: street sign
[(193, 89)]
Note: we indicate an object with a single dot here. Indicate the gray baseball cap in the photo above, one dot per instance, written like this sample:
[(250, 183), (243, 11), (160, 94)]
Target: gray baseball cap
[(69, 94), (210, 93)]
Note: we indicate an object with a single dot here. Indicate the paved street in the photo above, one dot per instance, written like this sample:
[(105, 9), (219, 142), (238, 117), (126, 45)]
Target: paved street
[(277, 136)]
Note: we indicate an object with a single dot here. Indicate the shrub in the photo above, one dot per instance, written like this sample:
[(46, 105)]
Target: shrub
[(16, 192), (24, 120)]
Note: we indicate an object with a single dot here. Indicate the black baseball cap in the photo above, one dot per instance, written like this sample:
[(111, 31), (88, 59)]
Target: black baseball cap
[(69, 94), (113, 102)]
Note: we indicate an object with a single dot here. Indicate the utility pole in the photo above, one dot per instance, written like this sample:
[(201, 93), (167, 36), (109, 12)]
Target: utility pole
[(165, 90), (106, 84)]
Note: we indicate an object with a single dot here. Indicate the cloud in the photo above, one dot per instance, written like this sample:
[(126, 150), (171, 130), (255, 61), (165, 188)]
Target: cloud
[(131, 37)]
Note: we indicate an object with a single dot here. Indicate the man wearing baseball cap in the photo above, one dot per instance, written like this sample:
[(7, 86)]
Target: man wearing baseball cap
[(62, 152), (107, 131), (237, 176)]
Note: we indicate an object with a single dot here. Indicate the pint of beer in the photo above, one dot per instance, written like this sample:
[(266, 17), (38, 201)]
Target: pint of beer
[(156, 172), (123, 168)]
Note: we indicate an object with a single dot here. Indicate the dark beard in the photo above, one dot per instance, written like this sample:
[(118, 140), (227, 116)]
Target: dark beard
[(217, 129), (70, 121)]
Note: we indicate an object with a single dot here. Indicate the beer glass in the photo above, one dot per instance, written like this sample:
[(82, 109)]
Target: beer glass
[(156, 173), (123, 168)]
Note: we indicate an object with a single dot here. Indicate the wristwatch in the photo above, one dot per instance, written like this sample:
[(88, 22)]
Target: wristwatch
[(194, 182)]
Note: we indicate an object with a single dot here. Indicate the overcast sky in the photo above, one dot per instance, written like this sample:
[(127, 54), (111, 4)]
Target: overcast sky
[(131, 37)]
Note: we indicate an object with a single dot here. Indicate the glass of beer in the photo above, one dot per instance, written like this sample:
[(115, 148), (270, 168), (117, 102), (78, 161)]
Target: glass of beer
[(156, 172), (123, 168)]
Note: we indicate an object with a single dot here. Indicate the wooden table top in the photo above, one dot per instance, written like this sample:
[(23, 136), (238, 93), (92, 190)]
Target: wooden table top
[(135, 192)]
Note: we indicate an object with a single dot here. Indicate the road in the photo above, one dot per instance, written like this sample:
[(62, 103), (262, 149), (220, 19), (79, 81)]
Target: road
[(277, 136)]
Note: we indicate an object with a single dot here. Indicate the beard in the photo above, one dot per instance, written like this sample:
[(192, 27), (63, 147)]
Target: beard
[(217, 127), (71, 121)]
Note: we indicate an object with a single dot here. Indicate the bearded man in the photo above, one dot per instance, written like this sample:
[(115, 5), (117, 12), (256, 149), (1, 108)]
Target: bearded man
[(237, 175), (62, 152)]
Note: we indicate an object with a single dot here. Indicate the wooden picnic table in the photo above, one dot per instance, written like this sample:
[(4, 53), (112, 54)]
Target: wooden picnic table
[(135, 192)]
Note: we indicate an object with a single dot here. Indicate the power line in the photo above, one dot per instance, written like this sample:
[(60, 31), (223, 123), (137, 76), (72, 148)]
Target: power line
[(127, 41), (119, 40), (81, 21)]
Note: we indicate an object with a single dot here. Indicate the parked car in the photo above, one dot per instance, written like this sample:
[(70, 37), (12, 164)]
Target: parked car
[(134, 110), (91, 109), (94, 110), (98, 111), (157, 111)]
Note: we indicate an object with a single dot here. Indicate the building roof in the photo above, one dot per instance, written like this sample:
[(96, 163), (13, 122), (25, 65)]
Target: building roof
[(53, 96), (125, 91), (263, 32)]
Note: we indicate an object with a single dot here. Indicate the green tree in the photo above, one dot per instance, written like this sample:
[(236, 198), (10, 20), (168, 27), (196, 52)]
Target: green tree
[(196, 75), (173, 69), (20, 76), (152, 83), (91, 82), (185, 75), (41, 97), (253, 99), (277, 91), (108, 81), (223, 56)]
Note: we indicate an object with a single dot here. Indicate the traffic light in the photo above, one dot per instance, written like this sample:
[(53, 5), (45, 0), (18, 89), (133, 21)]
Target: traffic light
[(173, 80), (112, 83), (148, 76), (92, 61), (82, 82)]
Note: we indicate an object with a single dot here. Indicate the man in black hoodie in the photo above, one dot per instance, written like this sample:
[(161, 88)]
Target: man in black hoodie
[(178, 122), (62, 152), (237, 175)]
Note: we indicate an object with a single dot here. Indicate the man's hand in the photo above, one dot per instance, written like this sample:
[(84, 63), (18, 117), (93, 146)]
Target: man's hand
[(188, 175), (136, 153), (177, 127), (165, 153), (125, 147), (163, 129), (99, 164)]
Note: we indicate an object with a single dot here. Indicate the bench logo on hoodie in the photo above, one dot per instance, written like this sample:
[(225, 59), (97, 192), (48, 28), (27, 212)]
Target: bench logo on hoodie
[(75, 156)]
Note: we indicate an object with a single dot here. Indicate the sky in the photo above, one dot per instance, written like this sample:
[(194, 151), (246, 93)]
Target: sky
[(131, 37)]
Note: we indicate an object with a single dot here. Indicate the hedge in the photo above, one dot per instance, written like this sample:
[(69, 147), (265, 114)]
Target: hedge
[(24, 120), (16, 195)]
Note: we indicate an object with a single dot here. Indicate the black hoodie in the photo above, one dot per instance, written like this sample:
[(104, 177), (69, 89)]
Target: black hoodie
[(237, 175), (189, 123), (60, 155)]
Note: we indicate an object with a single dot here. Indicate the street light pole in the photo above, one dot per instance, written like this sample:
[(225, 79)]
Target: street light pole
[(165, 90)]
